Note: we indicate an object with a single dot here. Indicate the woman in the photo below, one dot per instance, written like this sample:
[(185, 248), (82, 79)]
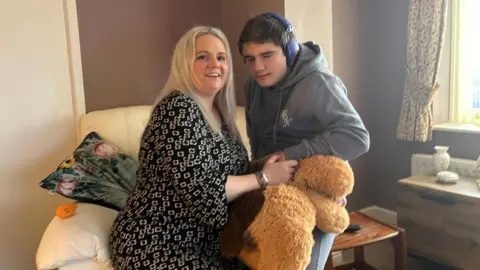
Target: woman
[(192, 163)]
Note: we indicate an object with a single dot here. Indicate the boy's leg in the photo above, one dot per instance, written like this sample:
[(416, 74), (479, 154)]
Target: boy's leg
[(321, 249)]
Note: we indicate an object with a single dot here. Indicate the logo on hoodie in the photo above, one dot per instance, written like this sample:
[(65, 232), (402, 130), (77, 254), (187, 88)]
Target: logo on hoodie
[(285, 118)]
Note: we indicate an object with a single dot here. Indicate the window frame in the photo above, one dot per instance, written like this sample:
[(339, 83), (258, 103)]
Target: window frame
[(457, 119), (457, 113)]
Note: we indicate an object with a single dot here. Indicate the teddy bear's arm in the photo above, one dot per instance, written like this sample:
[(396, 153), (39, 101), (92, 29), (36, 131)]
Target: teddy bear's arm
[(330, 217)]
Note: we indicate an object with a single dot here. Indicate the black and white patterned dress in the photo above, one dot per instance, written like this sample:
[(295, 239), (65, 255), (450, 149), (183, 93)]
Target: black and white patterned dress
[(174, 216)]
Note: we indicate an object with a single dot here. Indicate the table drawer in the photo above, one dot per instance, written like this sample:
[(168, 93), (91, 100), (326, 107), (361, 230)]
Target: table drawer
[(440, 226)]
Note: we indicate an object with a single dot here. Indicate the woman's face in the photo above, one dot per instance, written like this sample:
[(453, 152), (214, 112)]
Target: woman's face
[(210, 68)]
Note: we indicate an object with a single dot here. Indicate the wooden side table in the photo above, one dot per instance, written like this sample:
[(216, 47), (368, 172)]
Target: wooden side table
[(442, 221), (372, 231)]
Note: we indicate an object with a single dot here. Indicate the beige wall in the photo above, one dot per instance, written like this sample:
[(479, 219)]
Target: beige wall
[(37, 118), (313, 20), (127, 46)]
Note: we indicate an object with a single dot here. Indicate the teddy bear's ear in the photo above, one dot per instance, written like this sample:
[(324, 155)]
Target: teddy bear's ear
[(328, 174)]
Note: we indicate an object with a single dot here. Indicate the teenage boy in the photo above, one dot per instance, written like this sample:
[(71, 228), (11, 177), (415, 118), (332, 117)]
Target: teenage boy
[(295, 107)]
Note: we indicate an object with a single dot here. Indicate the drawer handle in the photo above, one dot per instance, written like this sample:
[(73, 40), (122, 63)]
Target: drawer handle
[(439, 199)]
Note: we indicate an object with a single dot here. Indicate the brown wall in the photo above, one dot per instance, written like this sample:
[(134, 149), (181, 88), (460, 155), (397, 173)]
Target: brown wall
[(127, 46)]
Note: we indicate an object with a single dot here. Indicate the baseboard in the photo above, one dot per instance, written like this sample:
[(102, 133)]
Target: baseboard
[(382, 214), (337, 257)]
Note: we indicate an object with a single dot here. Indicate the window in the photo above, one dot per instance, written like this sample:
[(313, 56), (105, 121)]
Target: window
[(465, 62)]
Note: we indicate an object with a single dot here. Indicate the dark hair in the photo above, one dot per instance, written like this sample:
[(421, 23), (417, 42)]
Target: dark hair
[(264, 28)]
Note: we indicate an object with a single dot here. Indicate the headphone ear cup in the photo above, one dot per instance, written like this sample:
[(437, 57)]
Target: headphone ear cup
[(291, 50)]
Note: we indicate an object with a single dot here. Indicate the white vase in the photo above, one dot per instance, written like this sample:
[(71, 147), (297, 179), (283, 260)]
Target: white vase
[(441, 158)]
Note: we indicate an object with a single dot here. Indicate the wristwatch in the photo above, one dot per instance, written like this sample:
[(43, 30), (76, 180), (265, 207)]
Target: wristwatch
[(262, 179)]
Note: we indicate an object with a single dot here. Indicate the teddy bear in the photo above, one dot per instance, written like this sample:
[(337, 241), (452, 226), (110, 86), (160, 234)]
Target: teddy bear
[(272, 228)]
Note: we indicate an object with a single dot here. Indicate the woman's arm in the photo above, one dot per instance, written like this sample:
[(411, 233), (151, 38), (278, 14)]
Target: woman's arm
[(238, 185)]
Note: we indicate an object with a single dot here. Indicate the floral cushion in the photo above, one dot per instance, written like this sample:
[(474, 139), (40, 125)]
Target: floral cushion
[(96, 173)]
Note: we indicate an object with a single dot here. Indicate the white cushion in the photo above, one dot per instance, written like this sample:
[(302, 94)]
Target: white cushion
[(83, 236), (86, 265)]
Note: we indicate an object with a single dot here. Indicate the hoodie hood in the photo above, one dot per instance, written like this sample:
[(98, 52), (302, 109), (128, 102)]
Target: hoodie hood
[(310, 58)]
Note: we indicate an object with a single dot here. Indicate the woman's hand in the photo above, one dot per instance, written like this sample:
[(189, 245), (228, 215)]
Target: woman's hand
[(279, 172)]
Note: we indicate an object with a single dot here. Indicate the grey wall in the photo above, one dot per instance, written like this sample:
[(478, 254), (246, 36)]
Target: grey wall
[(382, 30), (349, 56)]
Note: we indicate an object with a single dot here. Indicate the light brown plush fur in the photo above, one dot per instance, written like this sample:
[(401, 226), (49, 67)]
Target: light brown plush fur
[(326, 180), (277, 233)]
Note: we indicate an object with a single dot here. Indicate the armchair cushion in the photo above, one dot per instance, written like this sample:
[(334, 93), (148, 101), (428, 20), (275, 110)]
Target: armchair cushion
[(80, 238)]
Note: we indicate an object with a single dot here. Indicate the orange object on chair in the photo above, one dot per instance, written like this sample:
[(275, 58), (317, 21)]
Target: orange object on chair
[(66, 210)]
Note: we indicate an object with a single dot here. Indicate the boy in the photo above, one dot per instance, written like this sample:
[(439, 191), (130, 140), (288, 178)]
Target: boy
[(295, 106)]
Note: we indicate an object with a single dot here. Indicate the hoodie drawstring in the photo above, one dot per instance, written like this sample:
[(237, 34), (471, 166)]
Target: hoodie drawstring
[(276, 119)]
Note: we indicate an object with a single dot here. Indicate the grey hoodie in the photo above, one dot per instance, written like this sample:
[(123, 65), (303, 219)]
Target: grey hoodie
[(306, 113)]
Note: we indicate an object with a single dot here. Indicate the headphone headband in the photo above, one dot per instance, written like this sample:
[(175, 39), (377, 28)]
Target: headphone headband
[(291, 47), (281, 19)]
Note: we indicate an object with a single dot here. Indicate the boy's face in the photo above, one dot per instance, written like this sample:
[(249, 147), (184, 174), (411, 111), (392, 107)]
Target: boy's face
[(266, 62)]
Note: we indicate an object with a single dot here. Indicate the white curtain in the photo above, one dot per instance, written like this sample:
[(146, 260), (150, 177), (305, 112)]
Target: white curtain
[(426, 27)]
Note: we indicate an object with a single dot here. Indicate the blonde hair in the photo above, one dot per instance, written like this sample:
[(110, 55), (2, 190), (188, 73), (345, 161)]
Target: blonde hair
[(181, 74)]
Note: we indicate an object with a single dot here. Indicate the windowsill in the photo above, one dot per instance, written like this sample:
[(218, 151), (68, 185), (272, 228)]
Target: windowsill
[(460, 128)]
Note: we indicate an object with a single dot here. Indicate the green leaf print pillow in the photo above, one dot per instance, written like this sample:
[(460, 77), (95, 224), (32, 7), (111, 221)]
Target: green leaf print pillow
[(95, 173)]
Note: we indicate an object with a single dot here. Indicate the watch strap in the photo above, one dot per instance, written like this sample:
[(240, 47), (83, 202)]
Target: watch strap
[(262, 179)]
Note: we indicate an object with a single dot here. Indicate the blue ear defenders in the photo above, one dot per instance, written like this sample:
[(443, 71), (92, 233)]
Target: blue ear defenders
[(291, 47)]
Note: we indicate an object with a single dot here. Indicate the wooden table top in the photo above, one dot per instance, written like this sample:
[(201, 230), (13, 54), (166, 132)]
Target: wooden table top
[(371, 231)]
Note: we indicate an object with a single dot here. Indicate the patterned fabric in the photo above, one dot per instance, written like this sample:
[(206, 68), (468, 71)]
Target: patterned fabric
[(426, 26), (174, 217), (96, 173)]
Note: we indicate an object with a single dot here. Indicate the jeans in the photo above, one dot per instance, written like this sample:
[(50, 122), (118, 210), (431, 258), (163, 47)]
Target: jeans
[(321, 249)]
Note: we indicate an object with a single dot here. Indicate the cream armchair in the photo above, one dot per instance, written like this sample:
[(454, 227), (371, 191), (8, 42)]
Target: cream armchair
[(81, 241)]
